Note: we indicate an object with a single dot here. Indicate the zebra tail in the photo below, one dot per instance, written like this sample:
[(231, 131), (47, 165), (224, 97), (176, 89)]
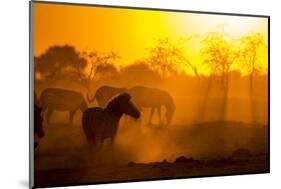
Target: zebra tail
[(89, 99)]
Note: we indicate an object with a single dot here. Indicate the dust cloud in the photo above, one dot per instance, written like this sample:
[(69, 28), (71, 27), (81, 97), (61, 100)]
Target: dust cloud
[(198, 128)]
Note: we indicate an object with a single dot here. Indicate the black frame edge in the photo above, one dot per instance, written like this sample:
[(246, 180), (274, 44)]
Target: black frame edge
[(31, 98)]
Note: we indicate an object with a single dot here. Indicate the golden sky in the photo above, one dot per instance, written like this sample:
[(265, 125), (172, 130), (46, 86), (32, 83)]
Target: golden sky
[(131, 32)]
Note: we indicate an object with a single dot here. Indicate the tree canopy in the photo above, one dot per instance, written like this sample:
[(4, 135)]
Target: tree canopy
[(59, 61)]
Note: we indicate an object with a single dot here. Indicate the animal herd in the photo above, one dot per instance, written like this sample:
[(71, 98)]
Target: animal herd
[(101, 122)]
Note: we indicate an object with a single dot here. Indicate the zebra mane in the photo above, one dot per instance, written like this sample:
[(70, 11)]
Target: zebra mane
[(118, 100)]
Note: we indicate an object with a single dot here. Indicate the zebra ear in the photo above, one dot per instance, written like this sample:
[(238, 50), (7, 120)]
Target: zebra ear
[(126, 96)]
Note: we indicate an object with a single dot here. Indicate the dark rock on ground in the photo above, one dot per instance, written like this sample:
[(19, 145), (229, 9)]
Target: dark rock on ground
[(183, 159), (241, 153)]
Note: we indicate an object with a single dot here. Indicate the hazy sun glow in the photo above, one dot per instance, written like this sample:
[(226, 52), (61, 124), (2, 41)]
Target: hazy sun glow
[(131, 32)]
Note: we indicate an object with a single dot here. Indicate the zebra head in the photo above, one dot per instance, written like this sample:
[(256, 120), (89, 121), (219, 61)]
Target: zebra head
[(170, 110), (122, 104)]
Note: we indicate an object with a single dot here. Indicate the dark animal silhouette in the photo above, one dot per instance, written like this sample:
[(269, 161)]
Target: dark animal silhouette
[(62, 100), (36, 100), (100, 124), (104, 94), (153, 98), (38, 125)]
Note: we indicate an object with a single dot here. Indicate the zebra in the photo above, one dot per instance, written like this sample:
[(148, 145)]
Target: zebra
[(62, 100), (102, 123), (104, 94), (153, 98), (38, 125)]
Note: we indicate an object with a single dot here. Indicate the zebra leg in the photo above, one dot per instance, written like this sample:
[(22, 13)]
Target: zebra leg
[(48, 115), (112, 148), (98, 150), (90, 144), (93, 149), (71, 115), (159, 115), (91, 153), (151, 115), (35, 145)]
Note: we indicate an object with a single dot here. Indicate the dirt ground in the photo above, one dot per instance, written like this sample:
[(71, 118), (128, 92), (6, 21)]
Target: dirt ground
[(161, 170), (148, 153)]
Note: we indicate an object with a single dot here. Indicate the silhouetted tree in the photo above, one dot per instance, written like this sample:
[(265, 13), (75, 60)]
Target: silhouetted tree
[(97, 63), (59, 62), (167, 58), (250, 45), (220, 54), (106, 68)]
